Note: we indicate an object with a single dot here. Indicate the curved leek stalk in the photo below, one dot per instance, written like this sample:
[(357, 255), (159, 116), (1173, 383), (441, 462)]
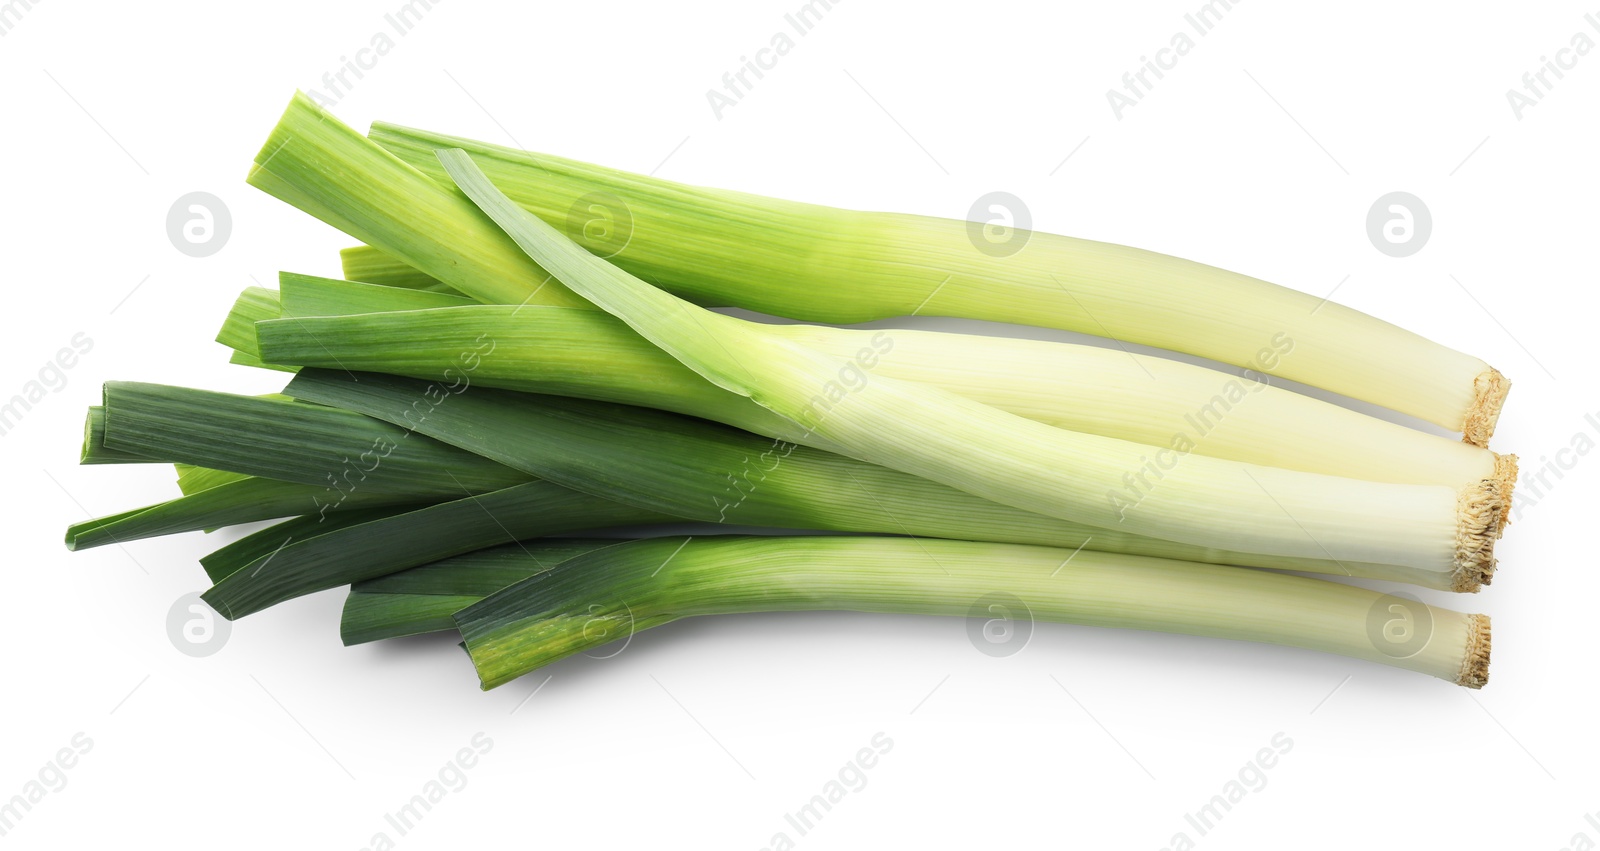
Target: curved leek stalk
[(651, 460), (1013, 461), (1155, 401), (700, 471), (816, 268), (822, 264), (622, 590)]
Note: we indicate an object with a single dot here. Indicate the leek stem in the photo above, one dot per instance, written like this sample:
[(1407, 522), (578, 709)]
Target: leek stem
[(809, 262), (1154, 401), (701, 471), (805, 261), (1013, 461), (594, 598)]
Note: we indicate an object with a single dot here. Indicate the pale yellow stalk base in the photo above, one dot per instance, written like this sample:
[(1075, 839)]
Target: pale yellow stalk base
[(1488, 396), (1479, 509), (1505, 478), (1475, 663)]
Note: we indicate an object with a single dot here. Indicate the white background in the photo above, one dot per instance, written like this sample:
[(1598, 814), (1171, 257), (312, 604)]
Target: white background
[(1261, 152)]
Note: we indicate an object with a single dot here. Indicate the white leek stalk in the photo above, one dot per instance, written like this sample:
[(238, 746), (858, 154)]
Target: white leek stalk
[(1177, 408), (1014, 461)]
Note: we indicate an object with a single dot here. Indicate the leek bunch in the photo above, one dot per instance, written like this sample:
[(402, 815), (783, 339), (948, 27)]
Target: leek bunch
[(488, 422)]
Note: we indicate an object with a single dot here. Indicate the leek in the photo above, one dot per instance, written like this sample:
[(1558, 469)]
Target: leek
[(1013, 461), (652, 460), (1084, 485), (700, 471), (805, 262), (1163, 403), (827, 265), (588, 600)]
